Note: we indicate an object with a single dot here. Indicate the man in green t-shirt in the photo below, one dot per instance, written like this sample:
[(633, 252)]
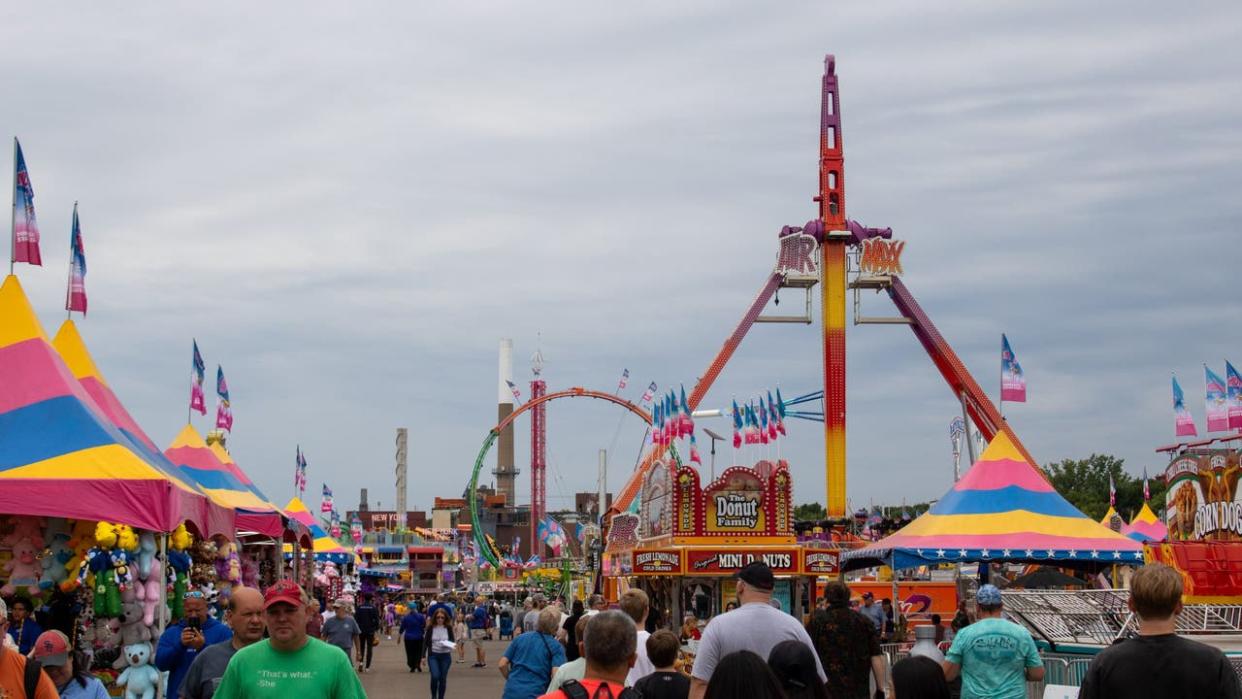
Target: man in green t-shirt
[(289, 663), (995, 657)]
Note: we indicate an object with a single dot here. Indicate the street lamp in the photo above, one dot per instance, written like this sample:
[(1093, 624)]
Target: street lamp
[(715, 438)]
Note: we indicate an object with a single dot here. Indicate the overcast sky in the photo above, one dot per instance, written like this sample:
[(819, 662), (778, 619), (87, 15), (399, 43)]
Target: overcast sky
[(349, 206)]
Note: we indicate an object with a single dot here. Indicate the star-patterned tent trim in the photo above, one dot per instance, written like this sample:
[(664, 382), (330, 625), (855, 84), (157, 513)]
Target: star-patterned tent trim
[(1002, 510)]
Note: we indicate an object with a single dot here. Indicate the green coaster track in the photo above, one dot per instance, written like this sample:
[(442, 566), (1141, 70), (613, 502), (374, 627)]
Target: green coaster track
[(487, 548)]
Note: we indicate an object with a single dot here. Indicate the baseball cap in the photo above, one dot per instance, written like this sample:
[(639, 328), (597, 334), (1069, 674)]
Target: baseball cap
[(988, 595), (868, 595), (285, 591), (51, 648), (758, 575)]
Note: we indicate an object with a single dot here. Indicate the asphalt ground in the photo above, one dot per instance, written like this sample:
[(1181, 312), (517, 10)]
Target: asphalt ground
[(389, 677)]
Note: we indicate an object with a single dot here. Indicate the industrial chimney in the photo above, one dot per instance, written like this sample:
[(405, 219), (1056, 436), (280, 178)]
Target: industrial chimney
[(505, 471)]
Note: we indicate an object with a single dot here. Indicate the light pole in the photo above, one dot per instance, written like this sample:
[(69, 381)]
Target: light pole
[(715, 438)]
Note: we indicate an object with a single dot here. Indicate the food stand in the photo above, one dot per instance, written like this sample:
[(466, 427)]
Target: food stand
[(686, 541)]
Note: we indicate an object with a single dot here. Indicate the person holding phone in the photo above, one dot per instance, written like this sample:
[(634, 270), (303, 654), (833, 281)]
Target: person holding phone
[(180, 643)]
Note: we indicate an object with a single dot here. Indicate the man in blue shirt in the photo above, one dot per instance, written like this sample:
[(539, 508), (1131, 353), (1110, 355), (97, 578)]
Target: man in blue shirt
[(873, 612), (995, 657), (532, 658), (478, 630), (23, 628), (181, 642)]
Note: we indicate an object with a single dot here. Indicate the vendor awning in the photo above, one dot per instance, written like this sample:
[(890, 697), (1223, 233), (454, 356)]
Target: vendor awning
[(325, 547), (201, 465), (60, 454), (1002, 510)]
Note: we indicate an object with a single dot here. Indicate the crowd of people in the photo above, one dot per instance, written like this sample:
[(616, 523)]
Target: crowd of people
[(277, 644)]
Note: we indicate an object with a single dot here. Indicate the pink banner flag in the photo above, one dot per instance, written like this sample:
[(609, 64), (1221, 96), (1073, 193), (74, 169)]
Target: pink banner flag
[(1216, 402), (224, 410), (25, 227), (75, 295), (1013, 381), (197, 400), (1234, 392), (1184, 422)]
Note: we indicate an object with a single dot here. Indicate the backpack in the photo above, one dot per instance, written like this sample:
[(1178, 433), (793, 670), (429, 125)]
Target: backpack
[(573, 689), (30, 677)]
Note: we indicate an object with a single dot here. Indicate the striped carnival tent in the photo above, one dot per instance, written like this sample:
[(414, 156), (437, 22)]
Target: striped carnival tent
[(1146, 526), (1002, 510), (226, 484), (62, 455), (326, 548)]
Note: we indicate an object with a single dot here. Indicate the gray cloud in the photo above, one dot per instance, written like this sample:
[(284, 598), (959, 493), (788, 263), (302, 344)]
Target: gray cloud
[(349, 206)]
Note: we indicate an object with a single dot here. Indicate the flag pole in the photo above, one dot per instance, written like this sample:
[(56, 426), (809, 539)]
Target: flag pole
[(13, 218), (1001, 403), (69, 286)]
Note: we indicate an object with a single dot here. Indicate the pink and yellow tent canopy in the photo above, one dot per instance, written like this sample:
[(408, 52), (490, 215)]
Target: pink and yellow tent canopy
[(60, 452), (1002, 510), (201, 464), (1146, 526), (325, 547)]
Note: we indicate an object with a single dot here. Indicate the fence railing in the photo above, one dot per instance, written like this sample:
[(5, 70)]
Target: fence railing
[(1059, 668)]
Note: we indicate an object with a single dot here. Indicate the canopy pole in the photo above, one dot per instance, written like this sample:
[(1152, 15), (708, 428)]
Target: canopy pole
[(164, 587)]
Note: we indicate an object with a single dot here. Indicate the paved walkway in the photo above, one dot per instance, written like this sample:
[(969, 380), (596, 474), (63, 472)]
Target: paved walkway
[(389, 677)]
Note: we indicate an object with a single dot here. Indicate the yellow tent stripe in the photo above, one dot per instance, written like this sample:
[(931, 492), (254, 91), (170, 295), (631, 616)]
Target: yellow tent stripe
[(107, 461), (68, 343), (20, 322), (1002, 447)]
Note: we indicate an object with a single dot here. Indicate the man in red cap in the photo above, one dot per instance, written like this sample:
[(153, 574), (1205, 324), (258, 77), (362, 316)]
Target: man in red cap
[(67, 670), (14, 677), (289, 663)]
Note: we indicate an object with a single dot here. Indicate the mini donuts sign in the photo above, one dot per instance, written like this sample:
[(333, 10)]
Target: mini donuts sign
[(705, 561)]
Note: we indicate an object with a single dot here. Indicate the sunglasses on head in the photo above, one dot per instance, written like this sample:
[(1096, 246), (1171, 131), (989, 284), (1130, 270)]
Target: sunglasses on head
[(193, 594)]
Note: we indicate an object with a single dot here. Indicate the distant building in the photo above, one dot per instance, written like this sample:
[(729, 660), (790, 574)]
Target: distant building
[(587, 504), (376, 520)]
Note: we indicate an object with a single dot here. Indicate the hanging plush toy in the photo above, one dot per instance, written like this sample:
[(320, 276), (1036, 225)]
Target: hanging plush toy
[(126, 539), (106, 534), (178, 575), (146, 554), (23, 568)]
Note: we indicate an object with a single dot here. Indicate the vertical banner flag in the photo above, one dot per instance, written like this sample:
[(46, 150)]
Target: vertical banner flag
[(1112, 492), (1217, 405), (1013, 381), (326, 505), (517, 395), (355, 529), (625, 377), (778, 412), (649, 393), (75, 295), (686, 425), (1184, 422), (197, 400), (763, 423), (299, 472), (1146, 488), (694, 451), (224, 411), (737, 425), (335, 526), (25, 228), (1234, 393)]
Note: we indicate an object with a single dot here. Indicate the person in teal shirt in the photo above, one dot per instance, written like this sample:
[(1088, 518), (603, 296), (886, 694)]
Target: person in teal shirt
[(995, 657), (289, 663)]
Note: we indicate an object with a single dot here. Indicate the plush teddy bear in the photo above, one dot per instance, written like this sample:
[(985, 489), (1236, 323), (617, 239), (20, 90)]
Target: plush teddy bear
[(140, 679), (23, 569), (133, 628), (26, 528), (55, 562)]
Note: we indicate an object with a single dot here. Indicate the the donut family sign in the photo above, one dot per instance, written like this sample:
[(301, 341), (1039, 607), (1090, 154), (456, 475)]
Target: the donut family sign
[(745, 502)]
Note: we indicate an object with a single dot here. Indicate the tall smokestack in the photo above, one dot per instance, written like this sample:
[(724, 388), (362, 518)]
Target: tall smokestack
[(505, 471)]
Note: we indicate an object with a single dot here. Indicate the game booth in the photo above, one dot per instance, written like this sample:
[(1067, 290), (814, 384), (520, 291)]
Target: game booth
[(686, 541)]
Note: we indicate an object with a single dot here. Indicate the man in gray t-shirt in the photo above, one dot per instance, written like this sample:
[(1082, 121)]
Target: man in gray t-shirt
[(341, 630), (755, 626), (245, 617)]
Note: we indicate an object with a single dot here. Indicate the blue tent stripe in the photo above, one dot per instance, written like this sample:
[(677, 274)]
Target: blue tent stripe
[(48, 429), (1002, 500)]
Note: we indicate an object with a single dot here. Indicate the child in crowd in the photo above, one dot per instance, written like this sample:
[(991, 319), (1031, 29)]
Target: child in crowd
[(462, 635), (666, 682)]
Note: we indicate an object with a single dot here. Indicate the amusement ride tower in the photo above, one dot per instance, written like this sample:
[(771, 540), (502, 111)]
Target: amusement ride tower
[(538, 453)]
